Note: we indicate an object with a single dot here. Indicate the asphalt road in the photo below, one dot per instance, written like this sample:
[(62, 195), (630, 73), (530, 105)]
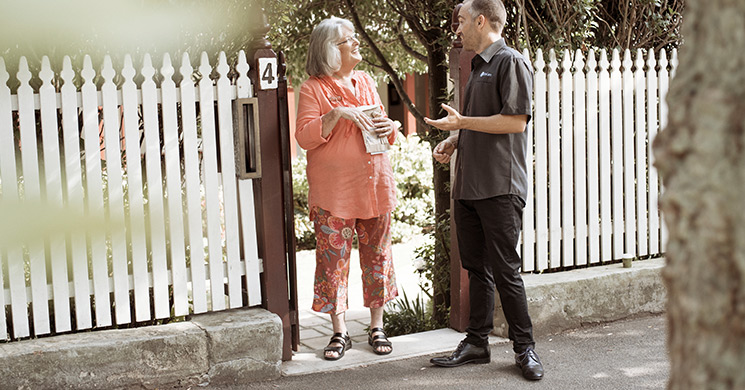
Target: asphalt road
[(627, 354)]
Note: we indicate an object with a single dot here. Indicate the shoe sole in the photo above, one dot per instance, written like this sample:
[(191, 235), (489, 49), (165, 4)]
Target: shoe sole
[(474, 361)]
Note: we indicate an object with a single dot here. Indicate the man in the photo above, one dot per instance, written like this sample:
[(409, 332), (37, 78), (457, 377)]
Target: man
[(490, 185)]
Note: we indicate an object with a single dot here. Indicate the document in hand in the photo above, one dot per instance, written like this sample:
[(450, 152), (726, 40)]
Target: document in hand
[(373, 143)]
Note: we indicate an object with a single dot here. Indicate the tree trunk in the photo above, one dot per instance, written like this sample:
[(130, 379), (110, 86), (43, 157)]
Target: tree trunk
[(701, 159), (438, 75)]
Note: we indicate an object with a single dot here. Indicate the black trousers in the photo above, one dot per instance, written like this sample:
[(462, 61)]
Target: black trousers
[(488, 231)]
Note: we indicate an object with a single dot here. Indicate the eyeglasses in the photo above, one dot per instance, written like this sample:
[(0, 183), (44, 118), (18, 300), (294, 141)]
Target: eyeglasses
[(351, 38)]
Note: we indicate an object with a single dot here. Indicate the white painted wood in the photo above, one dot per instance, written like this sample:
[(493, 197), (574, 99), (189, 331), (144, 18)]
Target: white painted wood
[(250, 244), (247, 207), (135, 197), (8, 179), (664, 84), (155, 208), (115, 207), (244, 88), (606, 227), (94, 194), (528, 232), (211, 185), (580, 161), (567, 163), (629, 179), (229, 182), (192, 186), (173, 187), (641, 155), (554, 164), (616, 94), (32, 195), (652, 129), (593, 163), (53, 181), (541, 164), (74, 187)]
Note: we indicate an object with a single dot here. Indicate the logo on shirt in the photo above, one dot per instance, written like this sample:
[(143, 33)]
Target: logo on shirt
[(485, 74)]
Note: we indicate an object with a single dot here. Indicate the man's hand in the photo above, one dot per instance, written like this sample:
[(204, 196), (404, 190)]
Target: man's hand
[(444, 150), (451, 122)]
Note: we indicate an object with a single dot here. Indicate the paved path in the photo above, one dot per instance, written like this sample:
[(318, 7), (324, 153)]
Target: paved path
[(623, 355)]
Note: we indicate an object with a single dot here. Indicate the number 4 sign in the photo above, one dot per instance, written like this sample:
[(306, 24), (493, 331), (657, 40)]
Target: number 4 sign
[(268, 73)]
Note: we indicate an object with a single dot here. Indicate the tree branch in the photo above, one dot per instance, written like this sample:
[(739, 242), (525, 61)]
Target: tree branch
[(384, 64), (419, 56)]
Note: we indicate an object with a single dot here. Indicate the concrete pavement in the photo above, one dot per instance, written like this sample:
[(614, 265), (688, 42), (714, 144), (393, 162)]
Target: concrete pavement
[(626, 354)]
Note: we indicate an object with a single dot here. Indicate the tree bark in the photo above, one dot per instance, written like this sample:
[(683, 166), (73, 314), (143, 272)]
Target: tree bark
[(701, 159)]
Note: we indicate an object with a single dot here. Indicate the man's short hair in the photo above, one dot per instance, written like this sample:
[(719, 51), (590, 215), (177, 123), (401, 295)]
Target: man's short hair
[(493, 11), (324, 58)]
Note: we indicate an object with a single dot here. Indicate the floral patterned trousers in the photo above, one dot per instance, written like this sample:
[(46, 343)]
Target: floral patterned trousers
[(334, 237)]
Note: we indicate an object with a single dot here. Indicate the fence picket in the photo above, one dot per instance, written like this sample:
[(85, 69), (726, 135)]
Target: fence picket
[(32, 193), (156, 212), (528, 232), (554, 165), (606, 228), (616, 95), (654, 217), (114, 185), (247, 207), (641, 156), (53, 176), (567, 163), (541, 164), (664, 79), (629, 170), (173, 188), (192, 186), (593, 215), (139, 252), (75, 197), (94, 194), (580, 161), (8, 179), (229, 184), (211, 184)]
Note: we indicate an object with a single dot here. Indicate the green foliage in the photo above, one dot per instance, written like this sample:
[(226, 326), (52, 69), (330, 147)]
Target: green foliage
[(410, 160), (405, 317), (436, 274)]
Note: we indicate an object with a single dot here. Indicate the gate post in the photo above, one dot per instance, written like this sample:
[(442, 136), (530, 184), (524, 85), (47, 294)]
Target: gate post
[(270, 189), (460, 69)]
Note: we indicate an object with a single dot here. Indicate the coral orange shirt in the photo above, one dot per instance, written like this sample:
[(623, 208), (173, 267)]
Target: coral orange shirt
[(342, 177)]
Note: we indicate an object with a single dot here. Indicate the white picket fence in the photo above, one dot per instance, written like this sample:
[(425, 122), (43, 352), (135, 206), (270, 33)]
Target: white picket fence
[(163, 262), (593, 192)]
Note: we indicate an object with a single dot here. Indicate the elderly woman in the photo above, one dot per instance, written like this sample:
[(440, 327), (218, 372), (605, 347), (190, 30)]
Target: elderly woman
[(351, 190)]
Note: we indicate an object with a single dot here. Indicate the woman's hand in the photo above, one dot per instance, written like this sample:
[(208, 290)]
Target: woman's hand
[(383, 126), (354, 114)]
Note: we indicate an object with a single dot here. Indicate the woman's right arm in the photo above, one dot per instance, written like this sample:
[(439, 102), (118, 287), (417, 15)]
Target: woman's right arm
[(309, 124)]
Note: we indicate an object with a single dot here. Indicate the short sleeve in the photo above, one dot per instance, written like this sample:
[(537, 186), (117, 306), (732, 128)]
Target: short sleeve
[(516, 87)]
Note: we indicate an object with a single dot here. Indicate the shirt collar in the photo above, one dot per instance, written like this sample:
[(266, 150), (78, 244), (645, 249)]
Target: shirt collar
[(488, 53)]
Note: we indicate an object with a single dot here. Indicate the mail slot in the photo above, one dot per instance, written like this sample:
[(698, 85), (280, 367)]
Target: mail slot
[(247, 150)]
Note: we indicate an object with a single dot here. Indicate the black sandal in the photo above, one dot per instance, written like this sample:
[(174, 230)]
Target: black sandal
[(344, 342), (379, 340)]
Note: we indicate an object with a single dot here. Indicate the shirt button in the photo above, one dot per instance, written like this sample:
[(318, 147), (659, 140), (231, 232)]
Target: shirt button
[(369, 162), (370, 177)]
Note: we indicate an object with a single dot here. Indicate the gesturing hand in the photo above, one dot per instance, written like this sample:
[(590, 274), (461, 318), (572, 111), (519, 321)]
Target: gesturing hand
[(451, 122), (443, 151)]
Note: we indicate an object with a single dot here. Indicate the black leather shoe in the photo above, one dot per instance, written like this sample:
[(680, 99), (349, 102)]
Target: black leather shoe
[(530, 364), (465, 353)]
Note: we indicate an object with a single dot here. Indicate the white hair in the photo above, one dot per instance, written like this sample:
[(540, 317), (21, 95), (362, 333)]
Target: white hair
[(324, 58)]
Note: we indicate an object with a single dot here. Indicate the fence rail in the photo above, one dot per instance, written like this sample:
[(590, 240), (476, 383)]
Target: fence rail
[(157, 160), (593, 189)]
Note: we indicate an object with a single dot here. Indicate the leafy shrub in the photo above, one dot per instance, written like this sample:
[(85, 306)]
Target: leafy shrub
[(404, 317)]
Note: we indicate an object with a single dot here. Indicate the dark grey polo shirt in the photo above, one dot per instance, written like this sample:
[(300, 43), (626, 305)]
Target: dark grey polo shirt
[(488, 165)]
